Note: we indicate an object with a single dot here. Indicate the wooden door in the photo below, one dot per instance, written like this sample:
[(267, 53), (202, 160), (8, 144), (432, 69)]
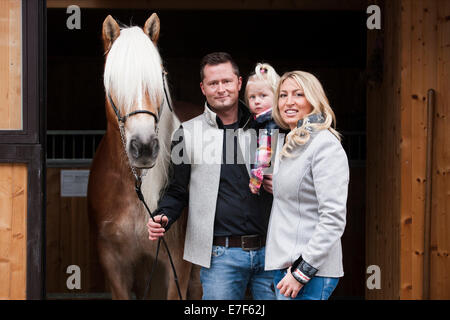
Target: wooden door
[(22, 66)]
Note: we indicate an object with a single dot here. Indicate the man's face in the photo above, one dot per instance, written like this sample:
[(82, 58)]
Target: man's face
[(221, 86)]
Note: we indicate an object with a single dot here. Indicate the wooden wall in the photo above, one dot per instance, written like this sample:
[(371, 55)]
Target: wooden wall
[(10, 65), (425, 65), (383, 158), (440, 220), (13, 231), (69, 242), (412, 50)]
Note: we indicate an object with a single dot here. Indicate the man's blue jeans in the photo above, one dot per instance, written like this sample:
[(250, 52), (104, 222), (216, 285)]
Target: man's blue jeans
[(318, 288), (232, 269)]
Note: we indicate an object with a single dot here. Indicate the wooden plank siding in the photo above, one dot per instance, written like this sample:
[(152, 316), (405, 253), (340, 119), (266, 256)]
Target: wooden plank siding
[(383, 140), (406, 218), (10, 65), (414, 102), (13, 231), (440, 222), (415, 38), (425, 66), (69, 241)]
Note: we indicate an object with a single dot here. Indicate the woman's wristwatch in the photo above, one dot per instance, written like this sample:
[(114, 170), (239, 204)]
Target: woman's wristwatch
[(302, 271)]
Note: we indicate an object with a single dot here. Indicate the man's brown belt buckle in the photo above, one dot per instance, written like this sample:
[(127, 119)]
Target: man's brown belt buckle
[(244, 240)]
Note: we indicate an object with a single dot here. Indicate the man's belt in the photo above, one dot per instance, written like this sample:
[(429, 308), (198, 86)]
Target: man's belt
[(250, 242)]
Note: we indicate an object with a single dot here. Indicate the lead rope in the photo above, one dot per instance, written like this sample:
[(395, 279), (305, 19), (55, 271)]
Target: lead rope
[(141, 197), (138, 184)]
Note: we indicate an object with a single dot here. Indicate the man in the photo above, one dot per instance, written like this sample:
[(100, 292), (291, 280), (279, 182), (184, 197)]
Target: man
[(227, 224)]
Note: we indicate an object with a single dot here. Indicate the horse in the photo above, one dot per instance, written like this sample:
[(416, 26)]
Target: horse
[(136, 143)]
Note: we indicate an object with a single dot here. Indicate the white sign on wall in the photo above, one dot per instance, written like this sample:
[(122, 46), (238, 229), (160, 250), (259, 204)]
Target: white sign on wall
[(74, 183)]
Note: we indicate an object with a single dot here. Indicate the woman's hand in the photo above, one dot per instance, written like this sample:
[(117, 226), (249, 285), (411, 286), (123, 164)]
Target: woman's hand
[(155, 229), (288, 286)]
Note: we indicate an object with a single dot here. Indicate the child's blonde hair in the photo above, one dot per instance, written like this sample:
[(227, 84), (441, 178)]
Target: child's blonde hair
[(266, 73)]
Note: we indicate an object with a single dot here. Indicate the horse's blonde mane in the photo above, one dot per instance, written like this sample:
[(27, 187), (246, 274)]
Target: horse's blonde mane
[(133, 66)]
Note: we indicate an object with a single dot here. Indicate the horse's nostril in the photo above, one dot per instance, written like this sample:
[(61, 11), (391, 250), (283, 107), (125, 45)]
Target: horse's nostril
[(135, 148), (154, 146)]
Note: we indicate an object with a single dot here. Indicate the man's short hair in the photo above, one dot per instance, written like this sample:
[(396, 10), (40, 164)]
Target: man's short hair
[(216, 58)]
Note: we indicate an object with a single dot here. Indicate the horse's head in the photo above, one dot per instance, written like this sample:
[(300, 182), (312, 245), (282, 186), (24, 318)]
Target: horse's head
[(133, 80)]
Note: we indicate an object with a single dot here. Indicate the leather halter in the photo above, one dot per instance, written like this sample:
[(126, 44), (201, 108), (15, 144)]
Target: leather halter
[(124, 118)]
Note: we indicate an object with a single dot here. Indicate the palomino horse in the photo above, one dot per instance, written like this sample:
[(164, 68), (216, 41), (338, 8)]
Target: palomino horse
[(134, 85)]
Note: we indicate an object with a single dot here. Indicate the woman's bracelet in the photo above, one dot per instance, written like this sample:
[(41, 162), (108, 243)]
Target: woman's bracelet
[(302, 271)]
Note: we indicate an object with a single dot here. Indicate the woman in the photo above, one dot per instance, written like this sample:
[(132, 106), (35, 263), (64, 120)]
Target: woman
[(310, 186)]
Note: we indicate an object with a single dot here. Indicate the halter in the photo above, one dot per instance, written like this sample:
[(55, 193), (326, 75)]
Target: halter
[(138, 178), (123, 119)]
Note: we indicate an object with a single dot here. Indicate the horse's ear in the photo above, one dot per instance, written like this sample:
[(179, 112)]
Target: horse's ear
[(151, 28), (111, 31)]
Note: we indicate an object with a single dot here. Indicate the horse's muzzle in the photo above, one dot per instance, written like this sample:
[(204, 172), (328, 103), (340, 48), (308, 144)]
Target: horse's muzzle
[(144, 154)]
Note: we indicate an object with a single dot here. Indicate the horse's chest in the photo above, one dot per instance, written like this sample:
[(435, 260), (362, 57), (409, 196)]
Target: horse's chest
[(129, 226)]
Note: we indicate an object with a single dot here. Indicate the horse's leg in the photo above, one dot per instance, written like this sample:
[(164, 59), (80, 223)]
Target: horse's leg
[(118, 271), (195, 290)]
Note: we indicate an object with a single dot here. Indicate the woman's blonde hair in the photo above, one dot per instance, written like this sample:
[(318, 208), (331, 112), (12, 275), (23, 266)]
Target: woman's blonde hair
[(263, 72), (315, 95)]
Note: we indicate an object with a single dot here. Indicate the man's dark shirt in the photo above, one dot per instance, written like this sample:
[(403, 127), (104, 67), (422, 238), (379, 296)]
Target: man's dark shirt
[(238, 211)]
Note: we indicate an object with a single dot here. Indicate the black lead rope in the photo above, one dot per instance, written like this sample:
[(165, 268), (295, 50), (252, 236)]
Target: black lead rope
[(141, 197)]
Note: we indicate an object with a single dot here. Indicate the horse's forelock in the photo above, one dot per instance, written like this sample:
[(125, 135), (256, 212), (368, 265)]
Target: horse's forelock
[(133, 65)]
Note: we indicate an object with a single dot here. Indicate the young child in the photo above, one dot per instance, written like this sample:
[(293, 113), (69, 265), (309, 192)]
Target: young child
[(259, 96)]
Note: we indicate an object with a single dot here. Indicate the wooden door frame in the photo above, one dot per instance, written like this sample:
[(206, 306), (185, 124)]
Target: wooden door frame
[(27, 145)]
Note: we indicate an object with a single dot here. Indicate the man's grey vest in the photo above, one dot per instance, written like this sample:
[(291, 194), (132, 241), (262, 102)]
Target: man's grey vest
[(204, 146)]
